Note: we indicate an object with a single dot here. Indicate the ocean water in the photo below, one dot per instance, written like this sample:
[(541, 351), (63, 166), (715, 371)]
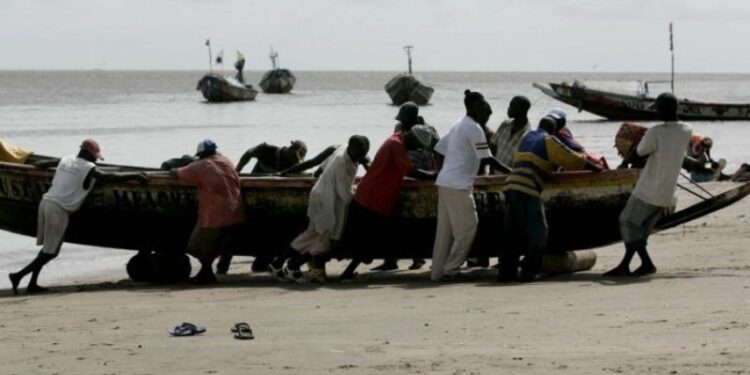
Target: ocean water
[(144, 118)]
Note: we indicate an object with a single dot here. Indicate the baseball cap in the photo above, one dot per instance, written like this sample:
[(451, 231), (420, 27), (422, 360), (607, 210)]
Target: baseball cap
[(205, 145), (92, 146)]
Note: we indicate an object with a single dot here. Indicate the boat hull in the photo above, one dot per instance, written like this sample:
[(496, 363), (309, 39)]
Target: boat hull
[(622, 107), (582, 210), (279, 81), (216, 88), (405, 87)]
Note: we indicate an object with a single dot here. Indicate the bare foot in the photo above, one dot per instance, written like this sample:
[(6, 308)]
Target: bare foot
[(618, 272), (14, 281), (645, 269)]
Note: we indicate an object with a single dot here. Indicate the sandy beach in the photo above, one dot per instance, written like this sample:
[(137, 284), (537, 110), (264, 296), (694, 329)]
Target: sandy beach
[(691, 317)]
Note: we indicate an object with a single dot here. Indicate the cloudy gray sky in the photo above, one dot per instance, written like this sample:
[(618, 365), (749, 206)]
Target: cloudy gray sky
[(466, 35)]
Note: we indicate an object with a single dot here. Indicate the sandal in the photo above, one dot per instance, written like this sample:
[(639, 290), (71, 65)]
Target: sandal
[(186, 329), (242, 331)]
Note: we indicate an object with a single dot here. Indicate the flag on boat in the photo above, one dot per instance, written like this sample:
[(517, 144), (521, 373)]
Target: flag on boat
[(240, 56), (208, 42), (220, 57)]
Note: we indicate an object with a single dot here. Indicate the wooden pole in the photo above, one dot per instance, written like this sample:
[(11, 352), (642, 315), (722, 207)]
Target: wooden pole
[(408, 54), (210, 58), (671, 50)]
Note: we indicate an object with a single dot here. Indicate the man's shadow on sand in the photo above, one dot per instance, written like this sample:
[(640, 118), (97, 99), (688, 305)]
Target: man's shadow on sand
[(413, 280)]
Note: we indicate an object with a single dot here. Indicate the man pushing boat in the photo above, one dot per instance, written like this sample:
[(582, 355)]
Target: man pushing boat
[(221, 208), (74, 178), (665, 145)]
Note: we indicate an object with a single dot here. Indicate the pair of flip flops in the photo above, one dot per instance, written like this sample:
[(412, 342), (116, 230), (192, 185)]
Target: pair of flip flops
[(186, 329), (242, 331)]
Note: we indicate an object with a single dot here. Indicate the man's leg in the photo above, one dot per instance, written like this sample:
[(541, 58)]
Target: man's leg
[(536, 239), (631, 233), (443, 237), (512, 239), (464, 222), (34, 267), (222, 267), (647, 265)]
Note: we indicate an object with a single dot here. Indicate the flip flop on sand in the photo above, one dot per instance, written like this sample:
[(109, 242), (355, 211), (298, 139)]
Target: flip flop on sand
[(242, 331), (186, 329)]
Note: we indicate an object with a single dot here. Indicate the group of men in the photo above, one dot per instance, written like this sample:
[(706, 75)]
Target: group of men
[(341, 217)]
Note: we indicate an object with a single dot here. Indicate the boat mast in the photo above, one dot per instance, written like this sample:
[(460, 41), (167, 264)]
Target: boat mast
[(210, 58), (671, 50), (274, 58), (408, 54)]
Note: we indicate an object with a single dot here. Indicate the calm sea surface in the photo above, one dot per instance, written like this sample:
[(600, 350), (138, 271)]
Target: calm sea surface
[(143, 118)]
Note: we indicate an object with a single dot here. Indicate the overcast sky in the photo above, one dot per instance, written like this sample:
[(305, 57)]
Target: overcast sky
[(462, 35)]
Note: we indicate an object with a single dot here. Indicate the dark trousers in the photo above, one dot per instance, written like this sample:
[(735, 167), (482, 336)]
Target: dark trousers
[(366, 235), (525, 233)]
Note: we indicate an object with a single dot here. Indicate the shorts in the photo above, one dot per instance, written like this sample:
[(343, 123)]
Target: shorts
[(638, 219), (52, 222), (208, 243)]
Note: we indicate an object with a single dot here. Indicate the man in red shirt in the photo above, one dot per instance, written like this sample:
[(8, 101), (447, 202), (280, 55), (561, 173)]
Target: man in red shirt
[(369, 217), (221, 208)]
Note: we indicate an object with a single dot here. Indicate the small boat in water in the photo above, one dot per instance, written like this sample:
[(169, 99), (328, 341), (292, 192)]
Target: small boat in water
[(218, 88), (624, 107), (582, 210), (405, 87), (277, 80)]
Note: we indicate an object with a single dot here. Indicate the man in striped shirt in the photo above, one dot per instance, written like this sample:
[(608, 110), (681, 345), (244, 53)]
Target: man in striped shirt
[(508, 136), (538, 156), (464, 149)]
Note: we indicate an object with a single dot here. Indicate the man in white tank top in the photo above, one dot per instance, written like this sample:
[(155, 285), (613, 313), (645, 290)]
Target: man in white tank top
[(74, 178)]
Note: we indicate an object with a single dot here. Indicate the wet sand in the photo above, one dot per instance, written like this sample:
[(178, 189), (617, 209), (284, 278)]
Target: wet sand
[(692, 317)]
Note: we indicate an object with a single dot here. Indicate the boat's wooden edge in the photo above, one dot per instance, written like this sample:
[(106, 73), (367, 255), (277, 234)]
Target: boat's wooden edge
[(163, 178)]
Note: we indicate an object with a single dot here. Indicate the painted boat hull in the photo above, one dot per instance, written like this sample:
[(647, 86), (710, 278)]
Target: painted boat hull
[(405, 87), (279, 81), (582, 211), (218, 89), (622, 107)]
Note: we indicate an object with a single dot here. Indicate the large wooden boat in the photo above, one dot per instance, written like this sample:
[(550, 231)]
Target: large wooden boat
[(406, 87), (217, 88), (616, 106), (582, 210)]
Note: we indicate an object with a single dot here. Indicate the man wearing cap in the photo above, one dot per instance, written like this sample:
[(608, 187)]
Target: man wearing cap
[(370, 212), (508, 136), (74, 178), (464, 150), (665, 145), (221, 208), (539, 155)]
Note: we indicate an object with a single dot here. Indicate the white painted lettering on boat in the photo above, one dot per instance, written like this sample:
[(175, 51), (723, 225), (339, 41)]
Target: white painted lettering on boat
[(151, 199), (22, 189)]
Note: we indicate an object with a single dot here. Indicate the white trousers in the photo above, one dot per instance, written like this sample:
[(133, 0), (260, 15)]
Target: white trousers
[(456, 226)]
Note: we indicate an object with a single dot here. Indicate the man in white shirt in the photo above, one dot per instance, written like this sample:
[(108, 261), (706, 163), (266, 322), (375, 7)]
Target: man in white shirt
[(464, 149), (508, 136), (665, 145), (73, 180)]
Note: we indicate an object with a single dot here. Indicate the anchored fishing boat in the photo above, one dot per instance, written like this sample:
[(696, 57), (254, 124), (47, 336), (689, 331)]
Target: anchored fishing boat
[(582, 211), (405, 87), (218, 88), (277, 80), (619, 106), (616, 106)]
